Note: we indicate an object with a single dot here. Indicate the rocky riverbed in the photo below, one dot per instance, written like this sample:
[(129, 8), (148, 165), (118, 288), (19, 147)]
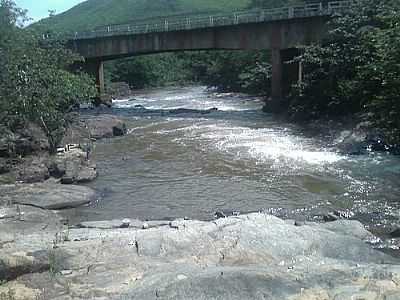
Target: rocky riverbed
[(254, 256), (44, 255)]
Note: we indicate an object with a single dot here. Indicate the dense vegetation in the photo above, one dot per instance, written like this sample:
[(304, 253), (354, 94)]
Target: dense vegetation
[(35, 84), (356, 70)]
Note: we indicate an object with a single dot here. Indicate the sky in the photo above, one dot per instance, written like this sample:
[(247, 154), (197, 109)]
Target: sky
[(39, 9)]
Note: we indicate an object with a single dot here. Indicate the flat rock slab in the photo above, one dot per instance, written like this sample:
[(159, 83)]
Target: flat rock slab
[(21, 220), (111, 224), (48, 195), (255, 256)]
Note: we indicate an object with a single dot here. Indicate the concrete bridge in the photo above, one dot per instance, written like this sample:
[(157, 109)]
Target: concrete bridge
[(278, 30)]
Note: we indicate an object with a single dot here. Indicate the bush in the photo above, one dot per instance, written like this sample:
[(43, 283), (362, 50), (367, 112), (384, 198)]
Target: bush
[(35, 82), (355, 69)]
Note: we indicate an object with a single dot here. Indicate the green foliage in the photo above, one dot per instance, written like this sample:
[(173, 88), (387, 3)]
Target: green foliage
[(356, 69), (35, 84), (93, 13), (240, 71), (151, 70)]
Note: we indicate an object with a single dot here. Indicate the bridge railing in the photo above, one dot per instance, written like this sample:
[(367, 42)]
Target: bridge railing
[(215, 20)]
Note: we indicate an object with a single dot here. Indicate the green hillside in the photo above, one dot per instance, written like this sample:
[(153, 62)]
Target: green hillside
[(94, 13)]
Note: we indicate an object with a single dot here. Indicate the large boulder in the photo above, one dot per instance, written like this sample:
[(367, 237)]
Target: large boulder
[(4, 166), (33, 169), (73, 167), (23, 141), (48, 195), (89, 127), (105, 126)]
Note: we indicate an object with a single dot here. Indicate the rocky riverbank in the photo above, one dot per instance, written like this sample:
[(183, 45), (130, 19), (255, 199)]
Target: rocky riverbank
[(255, 256), (351, 136), (24, 154)]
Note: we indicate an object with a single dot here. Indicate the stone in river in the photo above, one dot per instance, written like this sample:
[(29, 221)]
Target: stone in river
[(48, 195)]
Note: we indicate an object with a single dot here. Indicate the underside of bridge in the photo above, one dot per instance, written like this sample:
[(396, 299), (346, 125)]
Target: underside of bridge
[(281, 38)]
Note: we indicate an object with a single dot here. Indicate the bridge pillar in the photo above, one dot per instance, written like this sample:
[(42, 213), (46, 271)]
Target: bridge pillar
[(284, 74), (96, 69), (276, 79), (292, 71)]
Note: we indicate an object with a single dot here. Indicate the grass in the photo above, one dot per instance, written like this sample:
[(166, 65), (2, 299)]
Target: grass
[(94, 13)]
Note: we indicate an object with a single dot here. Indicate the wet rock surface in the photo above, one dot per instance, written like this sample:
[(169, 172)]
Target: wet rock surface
[(47, 195), (255, 256)]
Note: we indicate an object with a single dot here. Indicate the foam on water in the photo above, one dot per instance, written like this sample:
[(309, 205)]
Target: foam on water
[(197, 99), (263, 145)]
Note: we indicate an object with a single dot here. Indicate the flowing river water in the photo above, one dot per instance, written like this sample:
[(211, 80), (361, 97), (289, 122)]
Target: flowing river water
[(179, 161)]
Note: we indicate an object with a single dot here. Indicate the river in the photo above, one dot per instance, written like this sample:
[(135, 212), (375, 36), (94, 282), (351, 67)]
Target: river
[(178, 163)]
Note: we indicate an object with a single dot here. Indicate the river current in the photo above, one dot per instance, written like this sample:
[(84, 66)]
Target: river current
[(180, 160)]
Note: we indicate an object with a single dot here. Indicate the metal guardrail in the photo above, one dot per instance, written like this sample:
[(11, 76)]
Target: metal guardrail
[(178, 23)]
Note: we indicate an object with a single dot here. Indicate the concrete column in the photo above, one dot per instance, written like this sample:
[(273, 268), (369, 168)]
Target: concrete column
[(300, 81), (292, 71), (95, 68), (100, 78), (276, 79)]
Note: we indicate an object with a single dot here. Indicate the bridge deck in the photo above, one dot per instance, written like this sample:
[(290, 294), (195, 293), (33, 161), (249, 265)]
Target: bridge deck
[(176, 23)]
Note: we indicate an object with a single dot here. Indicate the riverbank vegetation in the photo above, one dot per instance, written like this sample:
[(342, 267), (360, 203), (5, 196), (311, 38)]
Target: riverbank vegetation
[(36, 84), (355, 70)]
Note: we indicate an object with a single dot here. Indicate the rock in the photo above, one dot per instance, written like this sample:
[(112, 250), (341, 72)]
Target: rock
[(113, 224), (254, 256), (17, 264), (119, 130), (395, 233), (23, 141), (362, 139), (66, 272), (219, 214), (33, 169), (86, 174), (299, 223), (125, 223), (105, 126), (330, 217), (73, 167), (48, 195)]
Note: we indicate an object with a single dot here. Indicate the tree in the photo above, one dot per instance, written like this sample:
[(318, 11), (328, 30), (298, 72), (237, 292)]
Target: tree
[(36, 85), (356, 69)]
